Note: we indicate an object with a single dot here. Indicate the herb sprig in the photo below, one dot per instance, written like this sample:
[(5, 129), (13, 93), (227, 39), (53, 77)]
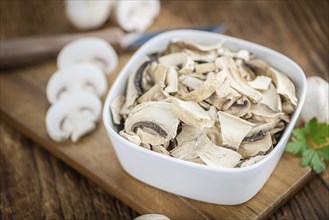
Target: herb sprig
[(312, 143)]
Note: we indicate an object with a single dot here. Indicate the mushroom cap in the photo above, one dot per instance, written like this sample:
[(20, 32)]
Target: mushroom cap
[(75, 78), (90, 49), (316, 100), (136, 16), (87, 14), (73, 115)]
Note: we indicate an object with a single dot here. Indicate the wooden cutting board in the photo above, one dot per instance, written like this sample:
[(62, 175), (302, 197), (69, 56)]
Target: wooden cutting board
[(24, 105)]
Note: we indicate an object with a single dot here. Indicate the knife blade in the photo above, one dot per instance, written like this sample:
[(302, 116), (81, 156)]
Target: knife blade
[(29, 50)]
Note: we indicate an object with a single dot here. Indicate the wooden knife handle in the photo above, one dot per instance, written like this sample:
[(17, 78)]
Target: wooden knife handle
[(30, 50)]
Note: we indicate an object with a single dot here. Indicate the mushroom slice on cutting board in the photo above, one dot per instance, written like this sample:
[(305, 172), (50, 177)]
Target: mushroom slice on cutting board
[(89, 49), (258, 143), (76, 78), (191, 113), (86, 15), (73, 116), (155, 119), (233, 129), (179, 60), (136, 16)]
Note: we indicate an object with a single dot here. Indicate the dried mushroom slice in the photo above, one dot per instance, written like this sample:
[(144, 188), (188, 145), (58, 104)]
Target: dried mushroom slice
[(263, 113), (154, 118), (283, 85), (205, 90), (180, 60), (260, 82), (233, 129), (224, 97), (255, 144), (191, 113), (271, 98), (239, 108), (116, 106), (252, 160), (236, 80), (261, 126), (191, 82), (131, 137), (171, 80), (155, 93)]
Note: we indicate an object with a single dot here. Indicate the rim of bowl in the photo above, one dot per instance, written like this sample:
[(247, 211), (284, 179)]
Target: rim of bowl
[(163, 36)]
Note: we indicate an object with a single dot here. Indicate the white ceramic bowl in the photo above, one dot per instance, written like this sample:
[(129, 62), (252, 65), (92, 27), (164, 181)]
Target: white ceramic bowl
[(227, 186)]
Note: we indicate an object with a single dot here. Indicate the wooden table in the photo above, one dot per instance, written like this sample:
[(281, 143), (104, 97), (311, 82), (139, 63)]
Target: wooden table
[(34, 184)]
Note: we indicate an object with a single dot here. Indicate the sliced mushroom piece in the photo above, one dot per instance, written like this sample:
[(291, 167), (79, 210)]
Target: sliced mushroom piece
[(279, 127), (154, 94), (283, 85), (253, 145), (233, 129), (252, 160), (260, 83), (86, 15), (241, 54), (75, 78), (116, 106), (186, 44), (160, 149), (131, 137), (139, 75), (188, 133), (190, 81), (236, 80), (262, 112), (271, 98), (214, 134), (201, 56), (260, 67), (73, 116), (212, 113), (220, 157), (288, 107), (148, 136), (217, 156), (205, 90), (159, 74), (191, 113), (153, 116), (171, 80), (180, 60), (224, 97), (89, 49), (239, 108), (205, 68), (245, 71), (152, 217), (261, 126), (136, 16)]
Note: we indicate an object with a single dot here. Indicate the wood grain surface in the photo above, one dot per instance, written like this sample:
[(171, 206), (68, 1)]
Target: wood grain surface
[(36, 185)]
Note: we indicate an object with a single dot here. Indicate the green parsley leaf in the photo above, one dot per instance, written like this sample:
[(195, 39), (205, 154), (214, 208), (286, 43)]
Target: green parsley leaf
[(311, 142)]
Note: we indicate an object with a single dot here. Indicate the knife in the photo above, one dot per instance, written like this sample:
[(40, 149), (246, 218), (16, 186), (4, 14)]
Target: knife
[(22, 51)]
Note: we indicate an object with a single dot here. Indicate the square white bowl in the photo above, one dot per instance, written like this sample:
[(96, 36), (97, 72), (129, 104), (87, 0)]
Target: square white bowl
[(226, 186)]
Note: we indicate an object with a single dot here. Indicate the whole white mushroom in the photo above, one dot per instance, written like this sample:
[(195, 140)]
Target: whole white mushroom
[(317, 100), (88, 14)]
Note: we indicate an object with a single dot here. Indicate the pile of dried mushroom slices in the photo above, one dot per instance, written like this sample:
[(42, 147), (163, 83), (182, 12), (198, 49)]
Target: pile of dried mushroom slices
[(205, 104)]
